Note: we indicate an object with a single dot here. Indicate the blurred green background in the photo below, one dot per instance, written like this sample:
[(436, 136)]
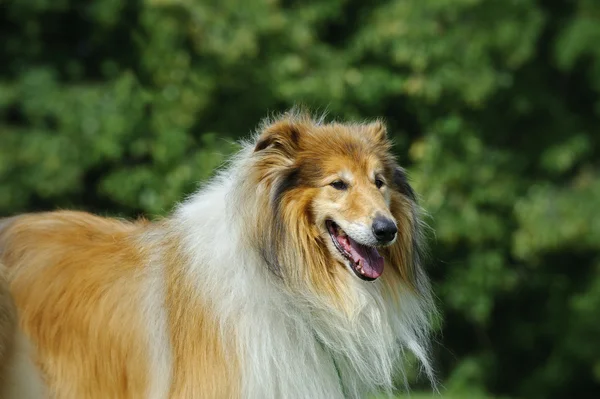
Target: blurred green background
[(122, 107)]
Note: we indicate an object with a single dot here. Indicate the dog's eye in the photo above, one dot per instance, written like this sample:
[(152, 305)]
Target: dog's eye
[(339, 185), (379, 183)]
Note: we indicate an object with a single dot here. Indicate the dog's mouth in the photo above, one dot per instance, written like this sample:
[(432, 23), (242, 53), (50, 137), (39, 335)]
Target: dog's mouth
[(364, 260)]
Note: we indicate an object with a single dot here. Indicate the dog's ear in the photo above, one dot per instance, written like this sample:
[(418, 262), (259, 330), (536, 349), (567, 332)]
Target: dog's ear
[(377, 131), (283, 135), (401, 183)]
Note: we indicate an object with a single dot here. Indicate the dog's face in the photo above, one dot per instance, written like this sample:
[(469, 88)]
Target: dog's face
[(339, 195), (352, 207)]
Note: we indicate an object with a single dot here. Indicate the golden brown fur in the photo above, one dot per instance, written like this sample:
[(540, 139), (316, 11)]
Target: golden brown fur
[(19, 378), (71, 274), (8, 327)]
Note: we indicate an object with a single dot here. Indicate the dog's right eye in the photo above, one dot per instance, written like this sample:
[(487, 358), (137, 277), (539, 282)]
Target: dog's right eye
[(339, 185)]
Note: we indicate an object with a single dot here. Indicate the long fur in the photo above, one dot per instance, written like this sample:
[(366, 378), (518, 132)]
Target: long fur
[(238, 292), (19, 378)]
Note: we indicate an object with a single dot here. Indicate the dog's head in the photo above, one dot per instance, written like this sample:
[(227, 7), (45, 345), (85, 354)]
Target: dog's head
[(339, 203)]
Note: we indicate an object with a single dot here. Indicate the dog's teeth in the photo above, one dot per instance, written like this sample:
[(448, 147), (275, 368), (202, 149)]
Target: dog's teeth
[(360, 268)]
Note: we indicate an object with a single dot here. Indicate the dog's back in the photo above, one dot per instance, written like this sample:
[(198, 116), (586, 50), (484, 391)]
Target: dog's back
[(66, 295), (109, 310)]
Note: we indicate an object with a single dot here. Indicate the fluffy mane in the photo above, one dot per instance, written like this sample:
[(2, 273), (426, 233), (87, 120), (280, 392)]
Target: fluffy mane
[(304, 329)]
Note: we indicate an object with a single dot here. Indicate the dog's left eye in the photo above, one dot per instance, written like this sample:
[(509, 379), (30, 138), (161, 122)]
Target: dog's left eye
[(379, 183)]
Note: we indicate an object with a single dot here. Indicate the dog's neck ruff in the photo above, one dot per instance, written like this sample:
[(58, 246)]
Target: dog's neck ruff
[(290, 345)]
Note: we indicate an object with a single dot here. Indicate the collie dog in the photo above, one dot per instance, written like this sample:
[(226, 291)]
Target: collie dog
[(295, 273)]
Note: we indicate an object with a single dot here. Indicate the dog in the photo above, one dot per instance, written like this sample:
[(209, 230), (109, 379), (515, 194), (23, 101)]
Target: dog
[(296, 272)]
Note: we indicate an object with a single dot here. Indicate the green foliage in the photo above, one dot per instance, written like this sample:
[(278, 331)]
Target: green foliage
[(122, 107)]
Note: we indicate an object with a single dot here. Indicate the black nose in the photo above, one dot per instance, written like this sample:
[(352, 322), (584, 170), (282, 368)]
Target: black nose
[(384, 229)]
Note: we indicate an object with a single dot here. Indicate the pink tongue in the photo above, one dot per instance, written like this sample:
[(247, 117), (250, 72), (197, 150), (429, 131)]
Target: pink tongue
[(367, 257)]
